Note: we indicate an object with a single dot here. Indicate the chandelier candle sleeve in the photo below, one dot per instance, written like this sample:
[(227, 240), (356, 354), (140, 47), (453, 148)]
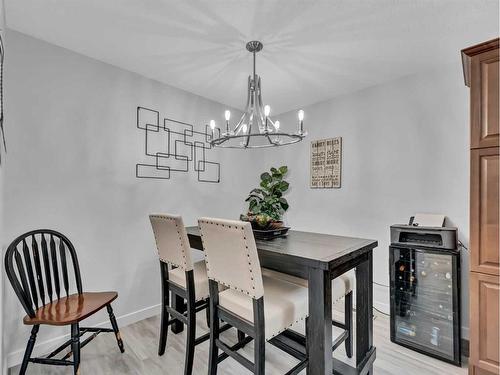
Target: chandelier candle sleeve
[(212, 126), (267, 111), (227, 116), (301, 121), (255, 128)]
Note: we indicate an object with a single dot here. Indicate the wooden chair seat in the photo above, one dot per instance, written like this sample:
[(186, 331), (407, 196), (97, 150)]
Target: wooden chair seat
[(71, 309)]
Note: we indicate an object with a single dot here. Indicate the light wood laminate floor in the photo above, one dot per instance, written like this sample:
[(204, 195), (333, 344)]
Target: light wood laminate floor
[(141, 344)]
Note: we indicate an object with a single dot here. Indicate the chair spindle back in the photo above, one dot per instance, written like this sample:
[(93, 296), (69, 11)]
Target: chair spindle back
[(37, 267)]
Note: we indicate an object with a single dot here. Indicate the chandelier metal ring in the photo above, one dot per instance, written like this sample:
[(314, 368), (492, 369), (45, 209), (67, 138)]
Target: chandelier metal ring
[(293, 138), (255, 128)]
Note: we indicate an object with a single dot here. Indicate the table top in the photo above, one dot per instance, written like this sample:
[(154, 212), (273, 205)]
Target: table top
[(314, 249)]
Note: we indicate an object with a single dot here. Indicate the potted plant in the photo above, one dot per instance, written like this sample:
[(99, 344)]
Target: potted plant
[(266, 204)]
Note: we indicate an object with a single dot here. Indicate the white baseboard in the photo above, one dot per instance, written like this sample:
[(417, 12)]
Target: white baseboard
[(381, 298), (14, 358)]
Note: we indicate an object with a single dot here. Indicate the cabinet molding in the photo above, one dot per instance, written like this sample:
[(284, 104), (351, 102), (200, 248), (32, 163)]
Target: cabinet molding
[(481, 71), (468, 53)]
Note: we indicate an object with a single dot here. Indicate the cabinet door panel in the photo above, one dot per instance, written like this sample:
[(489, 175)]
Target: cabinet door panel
[(484, 100), (484, 211), (484, 324)]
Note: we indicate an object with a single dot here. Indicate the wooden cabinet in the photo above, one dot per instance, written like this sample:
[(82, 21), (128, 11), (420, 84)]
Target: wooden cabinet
[(484, 210), (484, 301), (481, 65)]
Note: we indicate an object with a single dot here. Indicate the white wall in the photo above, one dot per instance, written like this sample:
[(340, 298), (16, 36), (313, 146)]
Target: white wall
[(73, 146), (405, 150)]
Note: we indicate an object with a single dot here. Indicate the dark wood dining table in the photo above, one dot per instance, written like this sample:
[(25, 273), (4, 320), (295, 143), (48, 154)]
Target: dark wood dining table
[(320, 258)]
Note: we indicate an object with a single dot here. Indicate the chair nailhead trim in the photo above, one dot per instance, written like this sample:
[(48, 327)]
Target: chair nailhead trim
[(181, 244), (248, 256), (284, 329)]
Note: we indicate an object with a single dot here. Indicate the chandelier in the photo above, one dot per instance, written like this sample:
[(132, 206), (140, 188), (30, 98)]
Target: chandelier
[(255, 129)]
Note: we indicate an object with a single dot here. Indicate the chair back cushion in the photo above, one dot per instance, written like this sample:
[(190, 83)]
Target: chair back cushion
[(38, 265), (171, 240), (231, 255)]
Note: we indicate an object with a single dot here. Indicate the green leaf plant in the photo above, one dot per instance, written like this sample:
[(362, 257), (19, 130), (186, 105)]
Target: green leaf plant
[(266, 203)]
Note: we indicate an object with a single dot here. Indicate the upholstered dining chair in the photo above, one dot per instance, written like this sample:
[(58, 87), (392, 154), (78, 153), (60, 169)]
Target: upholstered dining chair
[(342, 288), (37, 267), (260, 306), (186, 280)]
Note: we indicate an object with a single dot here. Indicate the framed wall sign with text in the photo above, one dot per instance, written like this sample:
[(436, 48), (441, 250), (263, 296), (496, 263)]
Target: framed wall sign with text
[(326, 163)]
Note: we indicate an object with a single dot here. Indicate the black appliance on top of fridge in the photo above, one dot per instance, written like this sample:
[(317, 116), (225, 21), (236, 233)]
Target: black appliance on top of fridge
[(424, 266)]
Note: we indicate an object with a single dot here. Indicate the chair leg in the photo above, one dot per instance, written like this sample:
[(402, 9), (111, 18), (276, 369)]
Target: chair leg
[(190, 338), (214, 328), (207, 312), (75, 347), (241, 336), (177, 304), (165, 300), (29, 349), (259, 354), (112, 319), (307, 335), (348, 323), (260, 339), (191, 323)]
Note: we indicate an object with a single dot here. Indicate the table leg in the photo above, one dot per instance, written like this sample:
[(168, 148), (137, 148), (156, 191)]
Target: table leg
[(319, 336), (364, 309), (178, 304)]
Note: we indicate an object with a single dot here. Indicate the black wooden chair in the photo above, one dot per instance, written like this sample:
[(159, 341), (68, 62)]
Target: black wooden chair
[(38, 278)]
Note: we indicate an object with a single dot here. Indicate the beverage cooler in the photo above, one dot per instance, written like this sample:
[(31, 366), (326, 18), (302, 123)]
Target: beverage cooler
[(424, 266)]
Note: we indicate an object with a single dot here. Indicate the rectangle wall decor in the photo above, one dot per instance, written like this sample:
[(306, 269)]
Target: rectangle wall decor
[(172, 147), (326, 163)]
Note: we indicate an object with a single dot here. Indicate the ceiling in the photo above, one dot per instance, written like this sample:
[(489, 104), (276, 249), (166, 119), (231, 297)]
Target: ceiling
[(313, 50)]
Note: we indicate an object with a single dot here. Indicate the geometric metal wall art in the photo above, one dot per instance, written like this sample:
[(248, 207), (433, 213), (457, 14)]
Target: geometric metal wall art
[(172, 146)]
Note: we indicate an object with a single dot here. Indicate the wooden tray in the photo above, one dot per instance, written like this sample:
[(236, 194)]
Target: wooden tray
[(269, 234)]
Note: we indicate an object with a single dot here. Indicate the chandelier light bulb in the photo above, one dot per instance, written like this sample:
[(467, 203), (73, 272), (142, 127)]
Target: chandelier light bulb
[(301, 115), (267, 110), (277, 125), (227, 115), (244, 128), (212, 124)]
